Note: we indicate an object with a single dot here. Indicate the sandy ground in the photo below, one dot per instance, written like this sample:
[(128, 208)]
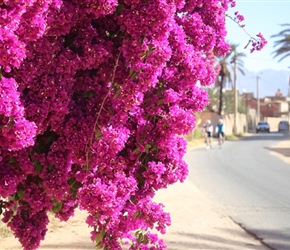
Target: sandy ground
[(197, 223)]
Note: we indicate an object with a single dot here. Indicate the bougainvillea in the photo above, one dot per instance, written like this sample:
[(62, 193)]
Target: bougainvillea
[(95, 98)]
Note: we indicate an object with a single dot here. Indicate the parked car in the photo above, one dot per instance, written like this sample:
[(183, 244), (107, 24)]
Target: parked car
[(263, 126), (283, 126)]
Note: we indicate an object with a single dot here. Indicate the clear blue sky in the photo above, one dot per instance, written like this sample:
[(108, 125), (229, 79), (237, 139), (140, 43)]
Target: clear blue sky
[(263, 16)]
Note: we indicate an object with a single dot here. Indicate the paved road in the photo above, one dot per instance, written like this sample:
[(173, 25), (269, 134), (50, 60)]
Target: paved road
[(248, 182)]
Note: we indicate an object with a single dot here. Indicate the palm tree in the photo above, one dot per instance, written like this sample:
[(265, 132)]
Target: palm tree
[(223, 77), (225, 73), (283, 43)]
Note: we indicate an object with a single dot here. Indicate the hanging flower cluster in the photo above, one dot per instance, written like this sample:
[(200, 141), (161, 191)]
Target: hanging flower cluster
[(95, 98)]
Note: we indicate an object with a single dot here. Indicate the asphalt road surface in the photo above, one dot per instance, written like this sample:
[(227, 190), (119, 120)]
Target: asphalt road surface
[(250, 184)]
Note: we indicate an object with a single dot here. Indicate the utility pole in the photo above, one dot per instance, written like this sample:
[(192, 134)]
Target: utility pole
[(258, 101), (289, 86), (245, 94), (235, 95)]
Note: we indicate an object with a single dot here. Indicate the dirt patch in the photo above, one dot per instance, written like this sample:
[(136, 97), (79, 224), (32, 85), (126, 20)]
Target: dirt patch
[(71, 235)]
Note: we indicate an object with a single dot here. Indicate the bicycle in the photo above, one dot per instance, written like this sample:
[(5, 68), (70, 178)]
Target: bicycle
[(220, 139), (220, 132), (207, 141), (207, 133)]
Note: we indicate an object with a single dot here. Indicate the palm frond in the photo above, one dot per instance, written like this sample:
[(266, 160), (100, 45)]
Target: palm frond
[(283, 44), (241, 70), (285, 40), (284, 56), (283, 32)]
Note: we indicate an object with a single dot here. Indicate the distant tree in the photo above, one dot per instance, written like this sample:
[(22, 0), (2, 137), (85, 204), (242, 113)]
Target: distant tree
[(213, 97), (225, 74), (237, 58), (223, 77), (282, 45)]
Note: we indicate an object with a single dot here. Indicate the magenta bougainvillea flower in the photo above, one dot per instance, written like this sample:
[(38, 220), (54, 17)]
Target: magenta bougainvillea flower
[(95, 99)]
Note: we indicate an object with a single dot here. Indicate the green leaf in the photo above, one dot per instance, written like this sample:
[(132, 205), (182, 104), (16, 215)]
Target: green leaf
[(11, 122), (154, 148), (57, 206), (119, 9), (99, 238), (150, 49), (37, 166), (74, 186), (138, 233), (136, 151), (136, 215), (160, 102), (141, 237), (50, 168), (117, 90), (99, 134), (89, 94), (133, 74), (11, 160), (20, 194), (147, 147)]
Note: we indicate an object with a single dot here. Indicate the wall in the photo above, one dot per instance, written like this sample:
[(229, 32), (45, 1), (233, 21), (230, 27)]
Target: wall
[(274, 122), (228, 121), (284, 107), (241, 123), (252, 120)]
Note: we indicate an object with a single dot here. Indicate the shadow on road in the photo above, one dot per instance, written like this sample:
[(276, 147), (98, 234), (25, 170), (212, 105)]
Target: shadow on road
[(283, 151), (208, 241), (190, 241), (274, 136)]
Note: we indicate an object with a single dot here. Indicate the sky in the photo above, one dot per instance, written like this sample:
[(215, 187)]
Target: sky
[(263, 16)]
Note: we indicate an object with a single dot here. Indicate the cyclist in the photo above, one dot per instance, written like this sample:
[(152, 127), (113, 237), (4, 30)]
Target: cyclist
[(220, 128), (208, 133)]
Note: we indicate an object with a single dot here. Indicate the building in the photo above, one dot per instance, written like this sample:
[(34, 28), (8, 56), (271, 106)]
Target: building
[(270, 106)]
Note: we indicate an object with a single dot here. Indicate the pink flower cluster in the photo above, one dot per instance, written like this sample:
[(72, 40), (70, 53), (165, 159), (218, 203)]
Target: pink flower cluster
[(257, 43), (16, 132), (95, 99)]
